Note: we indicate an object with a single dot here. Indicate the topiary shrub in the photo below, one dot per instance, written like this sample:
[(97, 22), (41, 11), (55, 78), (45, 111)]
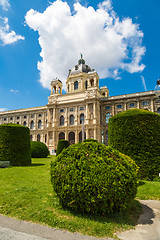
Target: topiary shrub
[(39, 150), (15, 144), (61, 145), (90, 140), (136, 133), (90, 177)]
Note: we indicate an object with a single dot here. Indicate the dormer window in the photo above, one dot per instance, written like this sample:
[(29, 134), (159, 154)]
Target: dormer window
[(92, 82), (75, 85)]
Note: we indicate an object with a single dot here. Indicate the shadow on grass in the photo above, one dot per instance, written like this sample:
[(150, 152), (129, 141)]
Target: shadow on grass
[(140, 183), (37, 164), (128, 217)]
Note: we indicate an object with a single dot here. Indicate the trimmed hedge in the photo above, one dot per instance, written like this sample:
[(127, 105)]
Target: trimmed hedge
[(136, 133), (90, 177), (15, 144), (90, 140), (61, 145), (39, 150)]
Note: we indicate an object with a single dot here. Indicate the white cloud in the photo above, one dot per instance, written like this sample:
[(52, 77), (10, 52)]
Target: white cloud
[(109, 45), (14, 91), (144, 83), (7, 36), (3, 109), (5, 4)]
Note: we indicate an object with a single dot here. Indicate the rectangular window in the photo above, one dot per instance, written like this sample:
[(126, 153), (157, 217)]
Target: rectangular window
[(11, 118), (71, 109), (40, 115), (145, 103), (4, 119), (61, 110), (107, 107), (32, 116), (119, 106), (81, 108), (131, 104)]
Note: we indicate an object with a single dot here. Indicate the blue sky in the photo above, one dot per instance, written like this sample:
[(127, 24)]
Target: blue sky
[(120, 39)]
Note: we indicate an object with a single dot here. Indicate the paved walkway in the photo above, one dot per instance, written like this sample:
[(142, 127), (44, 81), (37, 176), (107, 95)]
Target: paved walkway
[(148, 228)]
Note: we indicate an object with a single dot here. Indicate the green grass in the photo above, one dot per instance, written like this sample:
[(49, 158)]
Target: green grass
[(26, 193), (148, 190)]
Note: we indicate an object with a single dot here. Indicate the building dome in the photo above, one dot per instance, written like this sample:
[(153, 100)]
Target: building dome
[(80, 67)]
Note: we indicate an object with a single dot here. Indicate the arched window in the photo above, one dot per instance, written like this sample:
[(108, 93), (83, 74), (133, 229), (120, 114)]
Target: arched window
[(61, 120), (75, 85), (32, 124), (24, 123), (158, 110), (81, 118), (71, 120), (39, 124), (61, 136), (86, 84), (80, 136), (38, 137), (108, 116), (71, 137), (92, 82), (45, 138)]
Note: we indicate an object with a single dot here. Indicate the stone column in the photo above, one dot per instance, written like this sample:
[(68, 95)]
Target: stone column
[(95, 133), (48, 117), (35, 127), (43, 121), (94, 113), (66, 117), (152, 105), (76, 115), (76, 136), (87, 114), (125, 106), (138, 103), (87, 133)]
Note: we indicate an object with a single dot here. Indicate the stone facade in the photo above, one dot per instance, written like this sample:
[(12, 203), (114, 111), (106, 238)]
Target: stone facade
[(64, 114)]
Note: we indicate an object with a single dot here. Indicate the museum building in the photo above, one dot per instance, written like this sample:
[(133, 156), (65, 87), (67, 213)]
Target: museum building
[(85, 105)]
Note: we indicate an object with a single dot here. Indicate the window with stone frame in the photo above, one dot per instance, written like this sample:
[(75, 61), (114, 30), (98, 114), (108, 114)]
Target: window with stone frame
[(61, 120), (71, 120)]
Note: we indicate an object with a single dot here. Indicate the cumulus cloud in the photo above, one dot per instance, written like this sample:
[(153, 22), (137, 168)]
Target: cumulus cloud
[(4, 4), (7, 36), (109, 45)]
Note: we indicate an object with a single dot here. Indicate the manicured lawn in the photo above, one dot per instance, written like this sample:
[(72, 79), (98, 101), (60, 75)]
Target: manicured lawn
[(148, 190), (26, 193)]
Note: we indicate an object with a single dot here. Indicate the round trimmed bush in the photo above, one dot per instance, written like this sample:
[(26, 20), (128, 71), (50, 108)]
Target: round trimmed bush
[(90, 177), (61, 145), (39, 150), (15, 144), (136, 133)]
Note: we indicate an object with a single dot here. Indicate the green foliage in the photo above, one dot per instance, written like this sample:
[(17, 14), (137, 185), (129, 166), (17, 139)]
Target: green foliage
[(90, 140), (39, 150), (15, 144), (89, 177), (61, 145), (136, 133)]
